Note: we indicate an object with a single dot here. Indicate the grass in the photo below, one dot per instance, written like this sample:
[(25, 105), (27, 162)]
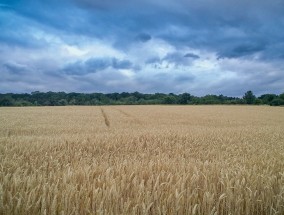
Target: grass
[(142, 160)]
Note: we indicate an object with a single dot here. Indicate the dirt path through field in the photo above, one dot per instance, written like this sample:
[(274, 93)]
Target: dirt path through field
[(107, 123), (131, 117)]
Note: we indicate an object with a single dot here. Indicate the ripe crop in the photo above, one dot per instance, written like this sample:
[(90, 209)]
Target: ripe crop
[(142, 160)]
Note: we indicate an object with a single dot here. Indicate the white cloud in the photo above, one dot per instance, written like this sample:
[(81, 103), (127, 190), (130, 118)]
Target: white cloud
[(141, 52)]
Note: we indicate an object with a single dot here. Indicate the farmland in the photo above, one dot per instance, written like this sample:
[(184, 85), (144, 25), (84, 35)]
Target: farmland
[(142, 160)]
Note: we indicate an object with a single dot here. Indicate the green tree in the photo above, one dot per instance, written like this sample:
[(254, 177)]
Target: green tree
[(258, 102), (267, 98), (249, 97), (7, 101), (277, 102), (169, 100), (184, 98), (281, 96), (210, 99), (62, 102)]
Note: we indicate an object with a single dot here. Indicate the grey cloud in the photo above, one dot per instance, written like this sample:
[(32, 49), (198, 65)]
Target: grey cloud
[(191, 55), (94, 65), (76, 68), (242, 50), (222, 27), (19, 78), (153, 60), (34, 80), (260, 77), (121, 64), (179, 58), (175, 58), (164, 82), (15, 68), (205, 24), (273, 52), (4, 6), (102, 5), (143, 37), (18, 39), (185, 78), (237, 87)]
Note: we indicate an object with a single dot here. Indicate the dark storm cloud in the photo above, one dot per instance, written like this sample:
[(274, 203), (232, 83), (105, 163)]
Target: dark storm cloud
[(94, 65), (246, 30), (213, 25), (153, 60), (191, 55), (14, 68), (176, 58), (225, 27), (184, 78), (121, 64), (103, 5), (242, 50), (143, 37)]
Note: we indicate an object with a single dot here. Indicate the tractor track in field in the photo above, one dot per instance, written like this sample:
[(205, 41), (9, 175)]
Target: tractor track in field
[(129, 116), (106, 119)]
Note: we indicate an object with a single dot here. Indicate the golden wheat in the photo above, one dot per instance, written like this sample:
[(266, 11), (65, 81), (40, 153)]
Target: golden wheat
[(142, 160)]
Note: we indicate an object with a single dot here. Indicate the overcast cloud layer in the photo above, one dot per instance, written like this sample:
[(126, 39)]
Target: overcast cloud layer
[(197, 46)]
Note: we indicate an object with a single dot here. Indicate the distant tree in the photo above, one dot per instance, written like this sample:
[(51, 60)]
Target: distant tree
[(257, 102), (61, 98), (35, 92), (184, 98), (169, 100), (72, 101), (137, 95), (267, 98), (130, 100), (277, 102), (249, 97), (211, 99), (281, 96), (7, 101), (221, 98), (23, 103), (114, 96), (62, 102), (124, 94)]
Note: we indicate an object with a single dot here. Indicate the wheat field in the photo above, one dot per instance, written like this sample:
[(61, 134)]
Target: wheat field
[(142, 160)]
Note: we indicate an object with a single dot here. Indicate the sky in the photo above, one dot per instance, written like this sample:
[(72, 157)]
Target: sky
[(170, 46)]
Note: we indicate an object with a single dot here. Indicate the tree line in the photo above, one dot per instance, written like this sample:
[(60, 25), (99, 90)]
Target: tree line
[(61, 99)]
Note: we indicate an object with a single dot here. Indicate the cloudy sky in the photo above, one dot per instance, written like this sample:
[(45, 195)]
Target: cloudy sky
[(196, 46)]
